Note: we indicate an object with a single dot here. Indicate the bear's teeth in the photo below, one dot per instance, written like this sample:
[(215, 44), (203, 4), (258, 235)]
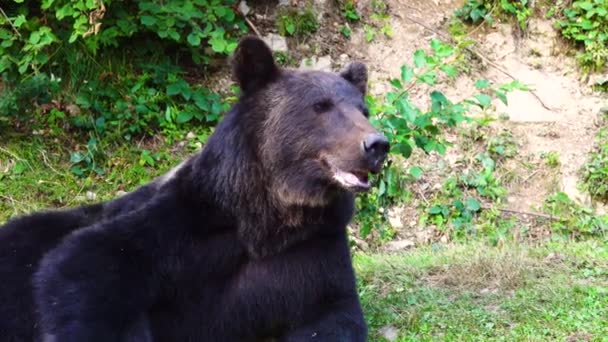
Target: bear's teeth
[(348, 179)]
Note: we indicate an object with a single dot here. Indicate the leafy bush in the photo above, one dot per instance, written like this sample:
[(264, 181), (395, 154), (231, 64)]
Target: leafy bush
[(32, 33), (119, 62), (572, 220), (407, 126), (475, 11), (294, 22), (586, 23)]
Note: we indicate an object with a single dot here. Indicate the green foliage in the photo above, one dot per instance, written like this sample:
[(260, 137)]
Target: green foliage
[(349, 10), (455, 208), (409, 127), (33, 33), (476, 11), (295, 22), (585, 22), (123, 68), (26, 94), (551, 159), (571, 220), (595, 171), (378, 21)]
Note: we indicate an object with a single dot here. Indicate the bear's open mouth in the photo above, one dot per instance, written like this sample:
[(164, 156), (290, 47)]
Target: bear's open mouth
[(358, 181), (353, 180)]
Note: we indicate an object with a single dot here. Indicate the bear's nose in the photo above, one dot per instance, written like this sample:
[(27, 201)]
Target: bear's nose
[(376, 147)]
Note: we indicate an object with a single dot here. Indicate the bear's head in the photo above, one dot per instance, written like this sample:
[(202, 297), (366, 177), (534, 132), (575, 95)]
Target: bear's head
[(310, 128)]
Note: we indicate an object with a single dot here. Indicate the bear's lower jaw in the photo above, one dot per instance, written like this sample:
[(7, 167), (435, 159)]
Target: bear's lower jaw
[(351, 181)]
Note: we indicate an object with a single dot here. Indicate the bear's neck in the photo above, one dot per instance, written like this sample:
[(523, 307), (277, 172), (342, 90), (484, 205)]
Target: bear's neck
[(228, 175)]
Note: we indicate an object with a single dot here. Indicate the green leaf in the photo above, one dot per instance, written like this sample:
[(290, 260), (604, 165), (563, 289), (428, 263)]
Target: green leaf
[(407, 73), (484, 100), (218, 45), (76, 157), (404, 148), (419, 58), (416, 172), (482, 84), (34, 37), (436, 209), (396, 83), (473, 205), (449, 70), (147, 20), (183, 117), (502, 97), (180, 86), (20, 20), (194, 39), (290, 28)]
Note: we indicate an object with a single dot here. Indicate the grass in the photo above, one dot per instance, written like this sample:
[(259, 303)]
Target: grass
[(35, 173), (474, 292)]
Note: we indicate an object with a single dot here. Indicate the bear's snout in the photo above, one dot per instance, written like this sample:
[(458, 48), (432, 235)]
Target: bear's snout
[(375, 146)]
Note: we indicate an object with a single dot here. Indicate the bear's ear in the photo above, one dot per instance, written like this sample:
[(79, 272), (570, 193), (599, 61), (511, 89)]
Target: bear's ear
[(356, 73), (253, 64)]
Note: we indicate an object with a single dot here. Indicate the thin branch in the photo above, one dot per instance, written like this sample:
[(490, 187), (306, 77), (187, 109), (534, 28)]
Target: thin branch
[(476, 53), (252, 26), (521, 212), (10, 22)]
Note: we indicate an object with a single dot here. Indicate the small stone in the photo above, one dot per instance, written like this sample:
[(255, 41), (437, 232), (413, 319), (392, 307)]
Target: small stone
[(389, 332), (190, 136), (73, 110), (304, 47), (90, 195), (316, 63), (276, 42), (399, 245), (243, 8), (120, 193), (343, 57)]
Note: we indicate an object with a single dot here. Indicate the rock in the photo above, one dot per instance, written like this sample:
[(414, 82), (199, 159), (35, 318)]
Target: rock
[(276, 42), (598, 80), (304, 47), (283, 2), (394, 218), (90, 195), (120, 193), (343, 57), (399, 245), (243, 8), (316, 63), (389, 332), (190, 136), (395, 222)]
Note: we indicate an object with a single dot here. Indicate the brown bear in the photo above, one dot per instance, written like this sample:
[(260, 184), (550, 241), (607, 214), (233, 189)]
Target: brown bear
[(246, 241)]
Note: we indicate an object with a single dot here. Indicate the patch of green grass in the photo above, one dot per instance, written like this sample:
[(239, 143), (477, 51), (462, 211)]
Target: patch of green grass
[(475, 292), (551, 159), (35, 173)]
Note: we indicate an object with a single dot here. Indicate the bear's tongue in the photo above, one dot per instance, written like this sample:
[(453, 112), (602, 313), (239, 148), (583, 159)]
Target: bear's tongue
[(350, 180)]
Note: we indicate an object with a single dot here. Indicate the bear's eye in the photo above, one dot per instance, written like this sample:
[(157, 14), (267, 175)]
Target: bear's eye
[(322, 106), (365, 111)]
